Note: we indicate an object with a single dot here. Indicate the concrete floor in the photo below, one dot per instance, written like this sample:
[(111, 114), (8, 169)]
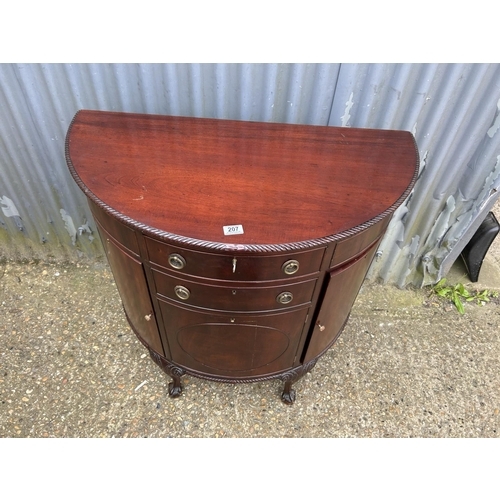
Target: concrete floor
[(407, 365)]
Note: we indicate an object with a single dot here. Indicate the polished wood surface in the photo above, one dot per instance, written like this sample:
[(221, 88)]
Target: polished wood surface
[(343, 284), (233, 346), (234, 297), (210, 265), (314, 203), (131, 284), (282, 183)]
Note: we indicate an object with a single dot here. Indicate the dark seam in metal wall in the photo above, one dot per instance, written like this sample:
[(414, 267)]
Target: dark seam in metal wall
[(333, 95)]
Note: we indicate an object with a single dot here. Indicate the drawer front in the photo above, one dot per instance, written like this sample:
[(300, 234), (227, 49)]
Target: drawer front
[(355, 245), (234, 298), (234, 267), (119, 231), (231, 345)]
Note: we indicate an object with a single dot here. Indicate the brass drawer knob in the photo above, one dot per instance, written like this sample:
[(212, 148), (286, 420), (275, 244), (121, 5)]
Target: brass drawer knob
[(284, 297), (176, 261), (182, 292), (290, 267)]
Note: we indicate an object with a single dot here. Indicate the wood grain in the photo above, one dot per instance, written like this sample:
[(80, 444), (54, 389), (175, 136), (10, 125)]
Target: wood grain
[(283, 183), (226, 308)]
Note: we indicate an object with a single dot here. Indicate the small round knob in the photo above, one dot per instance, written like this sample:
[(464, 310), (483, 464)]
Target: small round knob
[(290, 267), (176, 261), (182, 292), (284, 298), (321, 327)]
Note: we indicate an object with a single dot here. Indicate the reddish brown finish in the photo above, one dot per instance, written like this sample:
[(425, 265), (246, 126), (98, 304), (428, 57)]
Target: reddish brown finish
[(248, 267), (350, 247), (343, 286), (231, 297), (131, 284), (117, 230), (320, 197), (283, 183), (233, 345)]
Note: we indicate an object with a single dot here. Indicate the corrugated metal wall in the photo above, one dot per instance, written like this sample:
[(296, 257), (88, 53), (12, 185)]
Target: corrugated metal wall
[(453, 110)]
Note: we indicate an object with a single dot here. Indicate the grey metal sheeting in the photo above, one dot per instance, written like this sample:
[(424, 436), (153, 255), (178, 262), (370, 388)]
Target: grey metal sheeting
[(453, 111)]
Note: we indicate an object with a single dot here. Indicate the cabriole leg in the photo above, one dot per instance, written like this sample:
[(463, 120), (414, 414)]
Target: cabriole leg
[(288, 394), (290, 377), (174, 387)]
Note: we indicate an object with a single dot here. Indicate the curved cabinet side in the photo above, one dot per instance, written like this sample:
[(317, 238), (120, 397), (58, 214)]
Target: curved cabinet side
[(342, 289), (131, 282)]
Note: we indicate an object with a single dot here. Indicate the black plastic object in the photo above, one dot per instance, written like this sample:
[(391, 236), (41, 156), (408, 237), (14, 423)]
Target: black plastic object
[(473, 254)]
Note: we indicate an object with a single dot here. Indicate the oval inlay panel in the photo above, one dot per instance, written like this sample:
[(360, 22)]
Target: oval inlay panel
[(233, 347)]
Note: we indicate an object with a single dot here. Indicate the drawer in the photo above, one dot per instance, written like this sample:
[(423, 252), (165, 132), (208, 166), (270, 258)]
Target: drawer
[(357, 244), (234, 267), (119, 231), (233, 298)]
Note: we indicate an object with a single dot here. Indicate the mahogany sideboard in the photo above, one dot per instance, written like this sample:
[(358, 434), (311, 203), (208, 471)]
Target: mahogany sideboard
[(238, 248)]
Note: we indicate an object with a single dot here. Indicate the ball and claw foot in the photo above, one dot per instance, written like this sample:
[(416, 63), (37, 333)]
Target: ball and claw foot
[(174, 389), (288, 397), (290, 377)]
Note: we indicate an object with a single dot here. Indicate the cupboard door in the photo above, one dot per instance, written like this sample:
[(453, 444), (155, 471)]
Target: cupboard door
[(343, 287), (232, 346), (132, 287)]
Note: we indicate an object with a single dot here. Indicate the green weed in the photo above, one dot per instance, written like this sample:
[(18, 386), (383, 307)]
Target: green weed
[(458, 294)]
